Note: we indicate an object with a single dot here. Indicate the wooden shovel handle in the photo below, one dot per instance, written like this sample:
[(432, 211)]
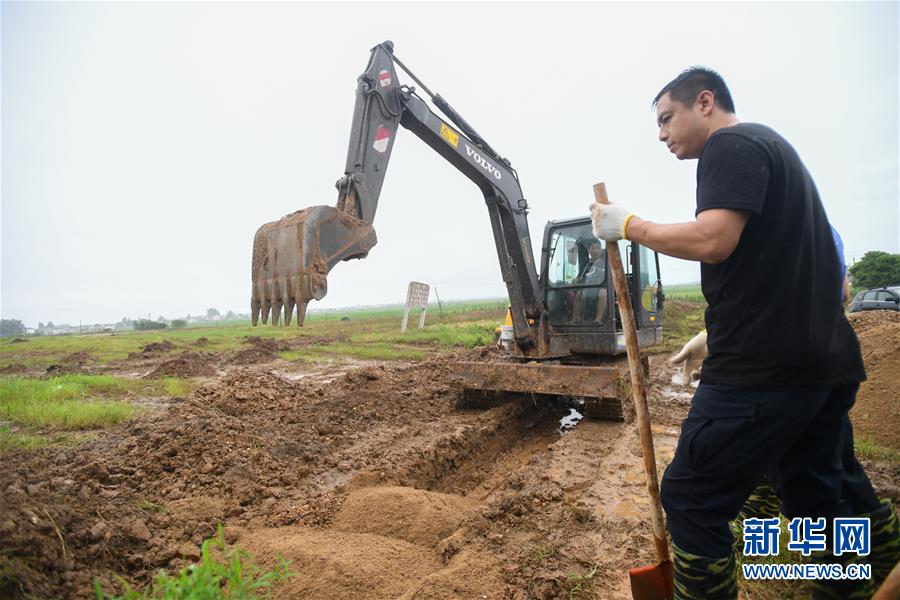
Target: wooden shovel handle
[(623, 297)]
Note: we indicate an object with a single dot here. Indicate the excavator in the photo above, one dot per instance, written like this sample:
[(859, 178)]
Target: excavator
[(566, 329)]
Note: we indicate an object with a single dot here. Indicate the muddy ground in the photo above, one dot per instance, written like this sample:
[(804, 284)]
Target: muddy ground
[(368, 477)]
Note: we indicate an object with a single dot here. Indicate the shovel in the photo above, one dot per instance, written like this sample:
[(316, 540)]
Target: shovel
[(652, 582)]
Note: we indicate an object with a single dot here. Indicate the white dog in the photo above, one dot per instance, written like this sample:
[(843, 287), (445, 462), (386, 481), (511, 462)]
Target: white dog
[(692, 355)]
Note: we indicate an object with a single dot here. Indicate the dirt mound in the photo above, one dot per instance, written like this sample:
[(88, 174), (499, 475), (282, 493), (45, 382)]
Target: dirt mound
[(62, 369), (18, 341), (876, 414), (416, 516), (77, 358), (202, 341), (247, 391), (336, 565), (253, 356), (266, 343), (187, 364), (867, 319), (159, 347), (13, 368)]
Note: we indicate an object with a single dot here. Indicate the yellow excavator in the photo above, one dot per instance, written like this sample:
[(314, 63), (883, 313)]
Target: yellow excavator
[(565, 327)]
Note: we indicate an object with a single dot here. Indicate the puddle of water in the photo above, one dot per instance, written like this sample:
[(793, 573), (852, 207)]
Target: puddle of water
[(568, 422)]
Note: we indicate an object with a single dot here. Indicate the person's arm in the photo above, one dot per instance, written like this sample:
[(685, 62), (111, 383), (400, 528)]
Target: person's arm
[(710, 239)]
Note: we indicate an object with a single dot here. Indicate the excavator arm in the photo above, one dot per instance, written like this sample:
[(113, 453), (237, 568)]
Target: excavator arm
[(293, 256)]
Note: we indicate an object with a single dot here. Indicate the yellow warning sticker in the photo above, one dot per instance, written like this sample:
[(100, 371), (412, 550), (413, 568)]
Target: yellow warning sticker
[(451, 136)]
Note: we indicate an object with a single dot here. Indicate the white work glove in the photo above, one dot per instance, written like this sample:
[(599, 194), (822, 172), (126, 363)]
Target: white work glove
[(692, 355), (610, 221)]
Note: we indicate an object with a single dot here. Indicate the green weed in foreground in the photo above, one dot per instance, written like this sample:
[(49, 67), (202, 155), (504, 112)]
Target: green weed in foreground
[(580, 584), (867, 449), (228, 575)]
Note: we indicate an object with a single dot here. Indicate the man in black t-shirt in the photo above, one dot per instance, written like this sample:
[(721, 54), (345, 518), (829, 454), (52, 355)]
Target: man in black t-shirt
[(784, 364)]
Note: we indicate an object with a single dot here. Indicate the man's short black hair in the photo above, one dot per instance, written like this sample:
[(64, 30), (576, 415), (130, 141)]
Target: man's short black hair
[(686, 87)]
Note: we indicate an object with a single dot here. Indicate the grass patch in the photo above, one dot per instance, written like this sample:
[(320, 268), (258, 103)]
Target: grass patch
[(73, 402), (467, 335), (866, 448), (221, 573), (580, 584), (16, 439), (61, 402)]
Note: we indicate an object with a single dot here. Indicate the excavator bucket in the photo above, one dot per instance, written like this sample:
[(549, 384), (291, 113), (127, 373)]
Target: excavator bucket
[(292, 258)]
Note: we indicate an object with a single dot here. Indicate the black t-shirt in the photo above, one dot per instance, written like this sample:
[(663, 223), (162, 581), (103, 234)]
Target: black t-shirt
[(775, 319)]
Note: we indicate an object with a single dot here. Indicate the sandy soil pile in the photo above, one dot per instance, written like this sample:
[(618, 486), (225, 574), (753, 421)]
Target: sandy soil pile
[(877, 411)]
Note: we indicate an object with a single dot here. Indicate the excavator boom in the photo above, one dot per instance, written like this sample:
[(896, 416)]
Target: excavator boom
[(293, 256)]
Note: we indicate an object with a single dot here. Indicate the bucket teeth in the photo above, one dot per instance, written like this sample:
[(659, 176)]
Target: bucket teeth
[(254, 309), (301, 313), (288, 311)]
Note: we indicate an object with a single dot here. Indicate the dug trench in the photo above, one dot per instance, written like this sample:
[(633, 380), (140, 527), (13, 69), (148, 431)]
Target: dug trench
[(373, 485)]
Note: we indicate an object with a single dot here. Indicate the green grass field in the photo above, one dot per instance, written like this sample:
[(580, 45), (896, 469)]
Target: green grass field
[(685, 292)]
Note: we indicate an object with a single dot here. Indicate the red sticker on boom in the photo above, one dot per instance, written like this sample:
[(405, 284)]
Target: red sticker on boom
[(384, 78), (382, 137)]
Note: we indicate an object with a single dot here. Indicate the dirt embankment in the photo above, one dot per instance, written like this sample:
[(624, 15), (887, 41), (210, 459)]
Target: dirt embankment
[(876, 414)]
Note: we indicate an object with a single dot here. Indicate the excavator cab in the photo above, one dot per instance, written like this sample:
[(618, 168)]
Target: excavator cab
[(580, 297)]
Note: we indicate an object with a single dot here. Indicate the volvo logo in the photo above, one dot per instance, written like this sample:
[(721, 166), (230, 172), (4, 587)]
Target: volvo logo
[(483, 162)]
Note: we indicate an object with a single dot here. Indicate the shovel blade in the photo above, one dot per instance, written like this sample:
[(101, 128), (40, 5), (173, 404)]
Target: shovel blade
[(654, 582)]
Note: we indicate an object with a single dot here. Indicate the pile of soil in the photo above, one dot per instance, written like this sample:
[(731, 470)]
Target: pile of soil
[(186, 364), (152, 350), (266, 343), (57, 369), (202, 341), (77, 358), (159, 347), (415, 516), (252, 356), (876, 414), (18, 341), (13, 368)]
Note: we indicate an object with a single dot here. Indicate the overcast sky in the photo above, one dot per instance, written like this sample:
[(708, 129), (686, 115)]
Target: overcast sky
[(144, 143)]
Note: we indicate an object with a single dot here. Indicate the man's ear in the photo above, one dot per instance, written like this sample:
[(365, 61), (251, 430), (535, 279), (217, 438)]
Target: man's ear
[(705, 102)]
